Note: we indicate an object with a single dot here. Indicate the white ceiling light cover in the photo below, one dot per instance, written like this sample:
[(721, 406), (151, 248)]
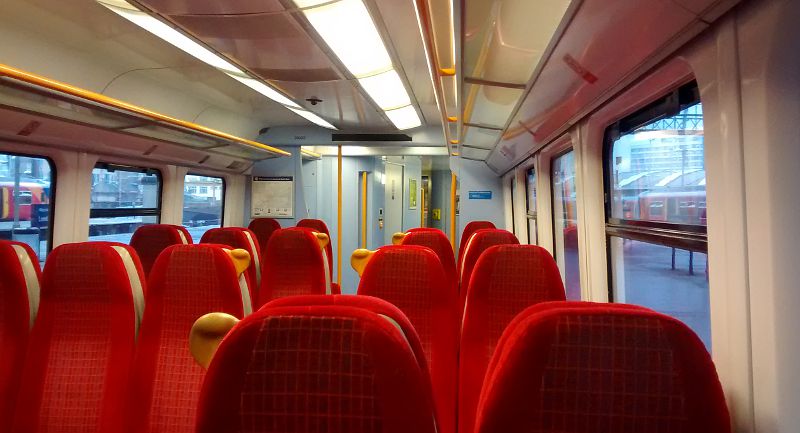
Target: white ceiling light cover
[(404, 118)]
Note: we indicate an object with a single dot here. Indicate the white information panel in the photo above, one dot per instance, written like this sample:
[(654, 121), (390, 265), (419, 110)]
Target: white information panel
[(273, 197)]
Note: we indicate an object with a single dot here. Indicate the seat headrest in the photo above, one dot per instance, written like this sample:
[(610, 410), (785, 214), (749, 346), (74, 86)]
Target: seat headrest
[(21, 274), (478, 243), (151, 239), (315, 368), (573, 364)]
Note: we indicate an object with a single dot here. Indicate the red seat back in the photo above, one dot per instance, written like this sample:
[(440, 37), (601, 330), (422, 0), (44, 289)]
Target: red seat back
[(469, 230), (437, 241), (412, 278), (187, 282), (151, 239), (480, 241), (583, 367), (319, 226), (295, 266), (19, 303), (505, 281), (326, 368), (376, 305), (263, 228), (81, 347), (238, 237)]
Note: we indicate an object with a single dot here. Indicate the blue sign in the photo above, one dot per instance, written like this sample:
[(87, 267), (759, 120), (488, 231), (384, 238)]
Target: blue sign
[(480, 195)]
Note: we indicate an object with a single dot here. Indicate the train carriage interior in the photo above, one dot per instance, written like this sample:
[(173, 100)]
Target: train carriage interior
[(452, 216)]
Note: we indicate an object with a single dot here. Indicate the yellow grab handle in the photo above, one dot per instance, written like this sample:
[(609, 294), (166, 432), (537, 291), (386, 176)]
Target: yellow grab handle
[(397, 238), (206, 335), (240, 259), (359, 260)]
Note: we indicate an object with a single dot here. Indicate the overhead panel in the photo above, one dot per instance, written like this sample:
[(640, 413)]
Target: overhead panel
[(211, 7), (504, 42), (477, 154), (480, 137)]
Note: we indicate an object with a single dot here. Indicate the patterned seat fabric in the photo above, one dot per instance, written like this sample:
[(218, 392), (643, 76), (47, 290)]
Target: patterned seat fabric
[(150, 240), (506, 280), (238, 237), (412, 278), (319, 226), (19, 303), (263, 228), (469, 230), (376, 305), (480, 241), (581, 367), (187, 282), (437, 241), (295, 266), (315, 368), (81, 347)]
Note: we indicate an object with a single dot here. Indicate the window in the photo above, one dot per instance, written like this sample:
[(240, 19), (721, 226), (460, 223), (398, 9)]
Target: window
[(203, 203), (27, 187), (656, 210), (565, 223), (530, 205), (123, 199)]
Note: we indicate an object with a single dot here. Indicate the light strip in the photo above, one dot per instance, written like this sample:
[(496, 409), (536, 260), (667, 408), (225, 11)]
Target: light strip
[(348, 29), (311, 117), (198, 51)]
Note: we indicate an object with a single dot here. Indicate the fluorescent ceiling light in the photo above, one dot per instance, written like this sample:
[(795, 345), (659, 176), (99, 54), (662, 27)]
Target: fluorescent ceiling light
[(198, 51), (170, 35), (347, 27), (386, 90), (311, 117), (265, 90), (404, 118)]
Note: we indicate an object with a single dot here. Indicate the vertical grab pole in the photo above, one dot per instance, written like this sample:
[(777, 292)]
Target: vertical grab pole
[(339, 220), (363, 209), (422, 207), (453, 210)]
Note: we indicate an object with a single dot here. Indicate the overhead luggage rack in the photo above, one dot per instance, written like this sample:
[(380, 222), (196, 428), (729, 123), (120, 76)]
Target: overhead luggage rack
[(24, 91)]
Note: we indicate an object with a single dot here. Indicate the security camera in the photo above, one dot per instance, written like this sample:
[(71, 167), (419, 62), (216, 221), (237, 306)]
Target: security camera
[(314, 101)]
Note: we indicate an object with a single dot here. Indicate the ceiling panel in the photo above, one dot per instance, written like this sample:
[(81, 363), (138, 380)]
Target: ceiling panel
[(204, 7), (480, 137)]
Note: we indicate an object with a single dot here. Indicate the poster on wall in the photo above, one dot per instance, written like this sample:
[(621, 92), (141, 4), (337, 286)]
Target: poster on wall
[(412, 194), (272, 197)]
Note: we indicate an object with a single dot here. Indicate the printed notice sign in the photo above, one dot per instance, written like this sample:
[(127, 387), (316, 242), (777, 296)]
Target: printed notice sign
[(273, 197)]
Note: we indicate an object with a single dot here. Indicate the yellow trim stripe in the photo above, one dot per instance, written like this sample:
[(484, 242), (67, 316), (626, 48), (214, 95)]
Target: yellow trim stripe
[(339, 222), (58, 86), (453, 210), (363, 209)]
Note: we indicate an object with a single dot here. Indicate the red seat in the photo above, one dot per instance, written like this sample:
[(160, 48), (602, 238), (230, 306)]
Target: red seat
[(469, 230), (480, 241), (319, 226), (81, 348), (187, 282), (376, 305), (506, 280), (263, 228), (151, 239), (238, 237), (412, 278), (19, 303), (582, 367), (437, 241), (315, 368), (295, 266)]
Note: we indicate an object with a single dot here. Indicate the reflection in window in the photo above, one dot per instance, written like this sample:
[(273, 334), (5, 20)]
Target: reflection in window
[(26, 201), (565, 223), (668, 280), (530, 204), (658, 171), (122, 199), (203, 198)]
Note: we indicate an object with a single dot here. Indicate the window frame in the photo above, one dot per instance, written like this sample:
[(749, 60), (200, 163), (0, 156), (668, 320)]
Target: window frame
[(528, 214), (554, 157), (683, 236), (689, 237), (224, 194), (52, 198), (513, 216), (124, 212)]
